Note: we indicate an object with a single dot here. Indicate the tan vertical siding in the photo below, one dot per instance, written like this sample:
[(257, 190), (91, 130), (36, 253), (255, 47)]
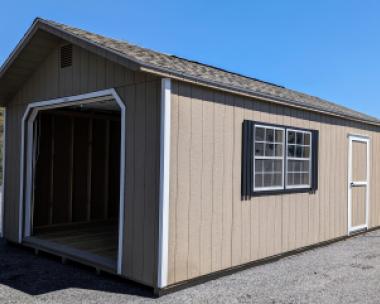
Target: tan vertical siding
[(236, 178), (207, 181), (12, 182), (196, 161), (227, 200), (141, 94), (254, 208), (324, 152), (173, 182), (217, 186), (184, 140), (225, 231)]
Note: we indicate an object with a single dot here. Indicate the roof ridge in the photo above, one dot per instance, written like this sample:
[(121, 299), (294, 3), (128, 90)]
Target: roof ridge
[(170, 55), (229, 72)]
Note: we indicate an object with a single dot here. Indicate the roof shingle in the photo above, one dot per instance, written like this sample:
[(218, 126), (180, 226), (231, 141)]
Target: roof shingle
[(204, 73)]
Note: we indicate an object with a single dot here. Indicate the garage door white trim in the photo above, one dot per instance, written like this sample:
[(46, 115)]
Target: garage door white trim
[(26, 183)]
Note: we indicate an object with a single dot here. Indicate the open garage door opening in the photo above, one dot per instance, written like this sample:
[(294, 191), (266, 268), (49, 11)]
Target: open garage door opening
[(75, 193)]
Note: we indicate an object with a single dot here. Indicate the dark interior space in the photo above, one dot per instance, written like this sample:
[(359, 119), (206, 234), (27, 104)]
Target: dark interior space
[(76, 183)]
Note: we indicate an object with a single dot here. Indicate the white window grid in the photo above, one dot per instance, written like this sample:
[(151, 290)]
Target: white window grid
[(300, 186), (263, 157)]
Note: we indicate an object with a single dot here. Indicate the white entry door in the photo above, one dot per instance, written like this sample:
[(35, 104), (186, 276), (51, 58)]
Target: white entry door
[(358, 184)]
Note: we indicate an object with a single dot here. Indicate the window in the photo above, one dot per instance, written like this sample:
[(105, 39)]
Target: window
[(278, 159), (298, 160), (269, 158)]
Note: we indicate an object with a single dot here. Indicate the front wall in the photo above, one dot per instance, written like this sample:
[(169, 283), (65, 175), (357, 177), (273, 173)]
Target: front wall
[(12, 168), (141, 94), (211, 228)]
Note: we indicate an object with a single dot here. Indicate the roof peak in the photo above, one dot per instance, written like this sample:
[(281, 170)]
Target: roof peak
[(173, 56)]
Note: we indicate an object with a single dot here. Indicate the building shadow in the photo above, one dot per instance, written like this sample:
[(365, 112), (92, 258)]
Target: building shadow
[(20, 269)]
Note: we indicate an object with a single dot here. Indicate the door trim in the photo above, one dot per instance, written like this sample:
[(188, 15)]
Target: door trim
[(26, 168), (351, 139)]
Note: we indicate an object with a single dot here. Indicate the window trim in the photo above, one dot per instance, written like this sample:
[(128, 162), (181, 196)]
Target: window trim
[(314, 158)]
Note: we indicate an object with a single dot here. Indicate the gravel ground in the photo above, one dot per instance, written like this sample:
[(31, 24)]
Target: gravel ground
[(344, 272)]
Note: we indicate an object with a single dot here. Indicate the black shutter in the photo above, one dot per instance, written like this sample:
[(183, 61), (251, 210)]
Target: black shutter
[(315, 152), (247, 160)]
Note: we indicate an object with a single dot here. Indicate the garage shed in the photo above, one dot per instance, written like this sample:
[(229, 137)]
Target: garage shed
[(167, 171)]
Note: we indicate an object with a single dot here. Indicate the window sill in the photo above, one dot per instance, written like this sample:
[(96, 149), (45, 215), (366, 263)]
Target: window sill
[(283, 192)]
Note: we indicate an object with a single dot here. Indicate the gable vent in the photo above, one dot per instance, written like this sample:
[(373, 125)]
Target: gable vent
[(66, 56)]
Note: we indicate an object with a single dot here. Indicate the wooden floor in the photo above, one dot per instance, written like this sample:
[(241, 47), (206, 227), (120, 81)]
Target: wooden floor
[(95, 245)]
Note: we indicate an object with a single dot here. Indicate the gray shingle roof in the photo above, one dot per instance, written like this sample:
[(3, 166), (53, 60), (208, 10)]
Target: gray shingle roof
[(205, 73)]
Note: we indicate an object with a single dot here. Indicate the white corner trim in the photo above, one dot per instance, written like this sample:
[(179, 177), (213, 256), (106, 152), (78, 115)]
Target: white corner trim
[(3, 184), (27, 134), (163, 247)]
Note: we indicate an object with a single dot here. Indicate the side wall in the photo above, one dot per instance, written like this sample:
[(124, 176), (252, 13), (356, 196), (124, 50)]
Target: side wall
[(141, 94), (211, 228)]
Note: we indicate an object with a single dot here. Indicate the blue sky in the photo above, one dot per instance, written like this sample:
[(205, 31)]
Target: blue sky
[(329, 49)]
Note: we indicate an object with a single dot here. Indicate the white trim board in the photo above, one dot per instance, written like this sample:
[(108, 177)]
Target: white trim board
[(366, 140), (27, 129), (163, 247)]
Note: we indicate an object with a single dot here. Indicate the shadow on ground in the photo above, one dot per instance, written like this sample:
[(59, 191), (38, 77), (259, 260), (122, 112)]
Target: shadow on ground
[(36, 275)]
